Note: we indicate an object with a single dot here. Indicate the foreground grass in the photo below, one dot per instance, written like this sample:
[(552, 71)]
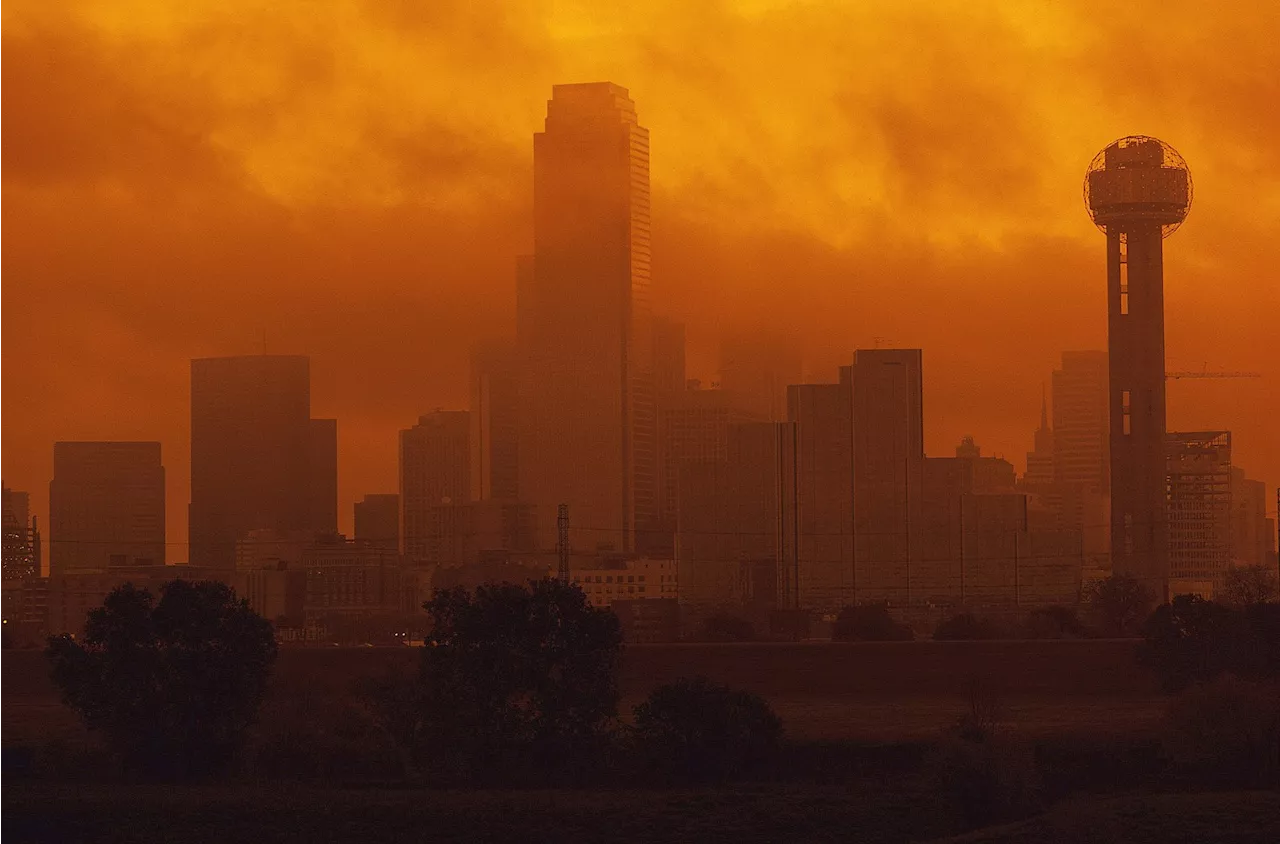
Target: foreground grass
[(1237, 817), (273, 813)]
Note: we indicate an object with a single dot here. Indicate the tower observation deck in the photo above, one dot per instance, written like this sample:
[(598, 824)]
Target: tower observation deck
[(1138, 191)]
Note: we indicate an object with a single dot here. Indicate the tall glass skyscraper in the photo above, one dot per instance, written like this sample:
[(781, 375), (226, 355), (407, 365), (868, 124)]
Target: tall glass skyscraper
[(586, 393)]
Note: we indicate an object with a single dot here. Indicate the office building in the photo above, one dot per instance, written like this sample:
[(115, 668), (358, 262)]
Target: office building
[(435, 472), (258, 460), (587, 427), (823, 416), (888, 462), (495, 428), (1252, 534), (1040, 468), (377, 521), (1198, 481), (106, 506), (1080, 434), (736, 534), (21, 538), (757, 367)]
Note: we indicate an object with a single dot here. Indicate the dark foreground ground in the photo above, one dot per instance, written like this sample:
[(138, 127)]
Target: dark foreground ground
[(870, 691), (778, 814)]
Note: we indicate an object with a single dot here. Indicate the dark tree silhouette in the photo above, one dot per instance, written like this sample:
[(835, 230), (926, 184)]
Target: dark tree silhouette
[(1056, 622), (696, 730), (1247, 586), (173, 684), (966, 626), (1191, 640), (515, 680), (869, 623), (1118, 603)]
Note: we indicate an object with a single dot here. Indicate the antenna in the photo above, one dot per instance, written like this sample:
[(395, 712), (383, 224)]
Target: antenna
[(562, 546)]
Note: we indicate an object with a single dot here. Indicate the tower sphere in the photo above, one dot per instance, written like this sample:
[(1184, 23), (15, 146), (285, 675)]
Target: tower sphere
[(1138, 180)]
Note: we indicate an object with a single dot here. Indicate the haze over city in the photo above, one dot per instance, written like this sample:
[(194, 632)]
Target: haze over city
[(354, 184)]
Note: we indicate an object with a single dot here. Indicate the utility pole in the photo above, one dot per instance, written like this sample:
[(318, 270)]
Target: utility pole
[(562, 545)]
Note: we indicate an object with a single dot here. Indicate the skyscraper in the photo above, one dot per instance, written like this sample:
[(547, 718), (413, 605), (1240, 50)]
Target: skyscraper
[(1040, 472), (495, 415), (435, 481), (1080, 420), (1198, 514), (758, 366), (257, 460), (888, 461), (587, 422), (21, 537), (823, 415), (377, 521), (106, 506)]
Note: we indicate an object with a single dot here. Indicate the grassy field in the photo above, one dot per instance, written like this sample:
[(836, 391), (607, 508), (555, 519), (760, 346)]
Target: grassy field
[(823, 691)]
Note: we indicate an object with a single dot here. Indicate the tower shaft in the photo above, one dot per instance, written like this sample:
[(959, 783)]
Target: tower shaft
[(1135, 336)]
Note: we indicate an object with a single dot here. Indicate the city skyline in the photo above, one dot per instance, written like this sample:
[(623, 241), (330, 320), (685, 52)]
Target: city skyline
[(841, 299)]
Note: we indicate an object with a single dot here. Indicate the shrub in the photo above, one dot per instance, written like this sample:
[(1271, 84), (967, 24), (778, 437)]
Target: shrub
[(986, 771), (728, 628), (515, 682), (173, 685), (1192, 640), (869, 623), (966, 626), (1226, 733), (699, 731), (1247, 586), (1118, 604)]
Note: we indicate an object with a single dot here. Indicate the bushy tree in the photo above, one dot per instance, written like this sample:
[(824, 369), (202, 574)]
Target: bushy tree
[(728, 628), (1054, 622), (1191, 640), (1118, 604), (869, 623), (1247, 586), (514, 681), (173, 684), (696, 730)]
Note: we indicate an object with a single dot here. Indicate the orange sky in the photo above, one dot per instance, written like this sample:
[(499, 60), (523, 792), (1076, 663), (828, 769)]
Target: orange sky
[(353, 178)]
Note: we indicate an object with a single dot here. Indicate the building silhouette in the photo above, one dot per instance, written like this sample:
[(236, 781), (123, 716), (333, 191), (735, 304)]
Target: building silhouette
[(435, 481), (757, 366), (1137, 190), (587, 428), (1198, 467), (377, 521), (1080, 426), (823, 416), (106, 507), (1040, 466), (21, 533), (258, 460), (495, 426), (888, 461), (1253, 534)]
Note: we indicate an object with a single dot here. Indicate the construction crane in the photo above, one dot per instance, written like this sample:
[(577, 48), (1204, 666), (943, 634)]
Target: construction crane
[(1204, 373)]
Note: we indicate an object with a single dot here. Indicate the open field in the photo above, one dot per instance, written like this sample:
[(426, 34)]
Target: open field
[(889, 691)]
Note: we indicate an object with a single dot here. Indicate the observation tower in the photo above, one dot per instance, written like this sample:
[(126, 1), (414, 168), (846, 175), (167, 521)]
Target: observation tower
[(1138, 191)]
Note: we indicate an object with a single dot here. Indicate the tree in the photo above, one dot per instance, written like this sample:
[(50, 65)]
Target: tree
[(515, 681), (869, 623), (1247, 586), (727, 628), (1119, 603), (697, 730), (1054, 622), (1191, 640), (173, 684)]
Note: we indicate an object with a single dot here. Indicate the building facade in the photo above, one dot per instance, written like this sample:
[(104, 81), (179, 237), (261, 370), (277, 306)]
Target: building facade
[(435, 473)]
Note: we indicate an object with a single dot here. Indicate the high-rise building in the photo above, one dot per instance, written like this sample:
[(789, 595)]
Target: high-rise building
[(823, 416), (1252, 540), (377, 521), (1040, 469), (669, 372), (1137, 191), (693, 424), (587, 432), (758, 366), (258, 460), (1198, 481), (1080, 433), (737, 531), (21, 538), (106, 506), (888, 463), (435, 471), (495, 427)]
